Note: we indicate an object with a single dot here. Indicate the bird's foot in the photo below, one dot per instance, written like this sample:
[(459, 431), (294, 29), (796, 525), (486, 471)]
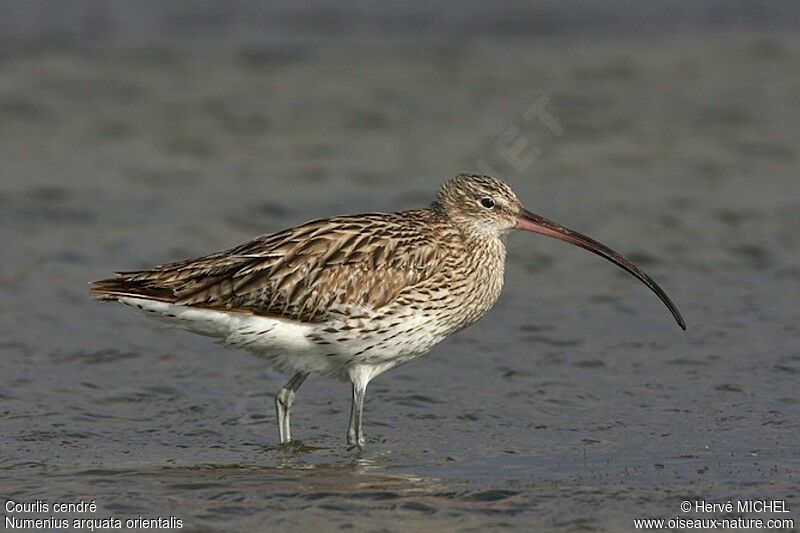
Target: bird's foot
[(283, 406), (354, 441)]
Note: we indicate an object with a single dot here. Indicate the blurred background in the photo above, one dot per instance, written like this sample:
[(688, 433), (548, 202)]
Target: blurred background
[(134, 133)]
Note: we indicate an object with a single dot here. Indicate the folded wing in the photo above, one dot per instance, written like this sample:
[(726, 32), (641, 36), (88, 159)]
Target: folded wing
[(305, 273)]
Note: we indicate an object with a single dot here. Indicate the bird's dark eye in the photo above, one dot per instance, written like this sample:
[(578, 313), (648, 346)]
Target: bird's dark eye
[(487, 202)]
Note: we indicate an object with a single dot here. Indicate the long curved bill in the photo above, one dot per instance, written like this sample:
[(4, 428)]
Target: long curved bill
[(531, 222)]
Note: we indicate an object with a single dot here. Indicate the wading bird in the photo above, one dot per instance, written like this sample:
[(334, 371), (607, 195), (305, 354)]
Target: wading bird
[(352, 296)]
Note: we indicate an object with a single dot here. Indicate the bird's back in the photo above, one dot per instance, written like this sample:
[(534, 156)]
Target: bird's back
[(307, 272)]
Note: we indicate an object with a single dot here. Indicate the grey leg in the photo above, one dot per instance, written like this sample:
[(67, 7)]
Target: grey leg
[(355, 434), (283, 405)]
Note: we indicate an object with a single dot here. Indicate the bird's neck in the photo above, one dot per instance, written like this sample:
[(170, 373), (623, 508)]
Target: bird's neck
[(480, 272)]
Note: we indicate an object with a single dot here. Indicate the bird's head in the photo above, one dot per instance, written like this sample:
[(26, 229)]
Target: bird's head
[(482, 205)]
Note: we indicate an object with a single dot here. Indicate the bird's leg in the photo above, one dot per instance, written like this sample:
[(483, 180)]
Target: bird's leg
[(355, 434), (283, 405)]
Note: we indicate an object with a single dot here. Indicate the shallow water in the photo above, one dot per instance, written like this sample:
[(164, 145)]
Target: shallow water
[(575, 405)]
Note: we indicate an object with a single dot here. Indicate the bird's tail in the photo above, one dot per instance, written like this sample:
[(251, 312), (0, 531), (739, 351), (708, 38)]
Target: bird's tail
[(124, 285)]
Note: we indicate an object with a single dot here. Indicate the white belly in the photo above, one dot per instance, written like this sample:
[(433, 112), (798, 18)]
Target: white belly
[(323, 348)]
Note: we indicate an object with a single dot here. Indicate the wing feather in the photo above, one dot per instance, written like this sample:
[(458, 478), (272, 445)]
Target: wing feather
[(303, 273)]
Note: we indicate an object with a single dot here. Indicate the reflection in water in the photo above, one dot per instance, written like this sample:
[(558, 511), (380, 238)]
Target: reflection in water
[(296, 471)]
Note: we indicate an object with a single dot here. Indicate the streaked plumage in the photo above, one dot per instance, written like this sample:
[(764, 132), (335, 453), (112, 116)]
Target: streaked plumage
[(348, 296)]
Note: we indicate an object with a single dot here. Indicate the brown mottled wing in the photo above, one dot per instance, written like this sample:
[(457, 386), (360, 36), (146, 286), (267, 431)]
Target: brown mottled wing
[(304, 273)]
